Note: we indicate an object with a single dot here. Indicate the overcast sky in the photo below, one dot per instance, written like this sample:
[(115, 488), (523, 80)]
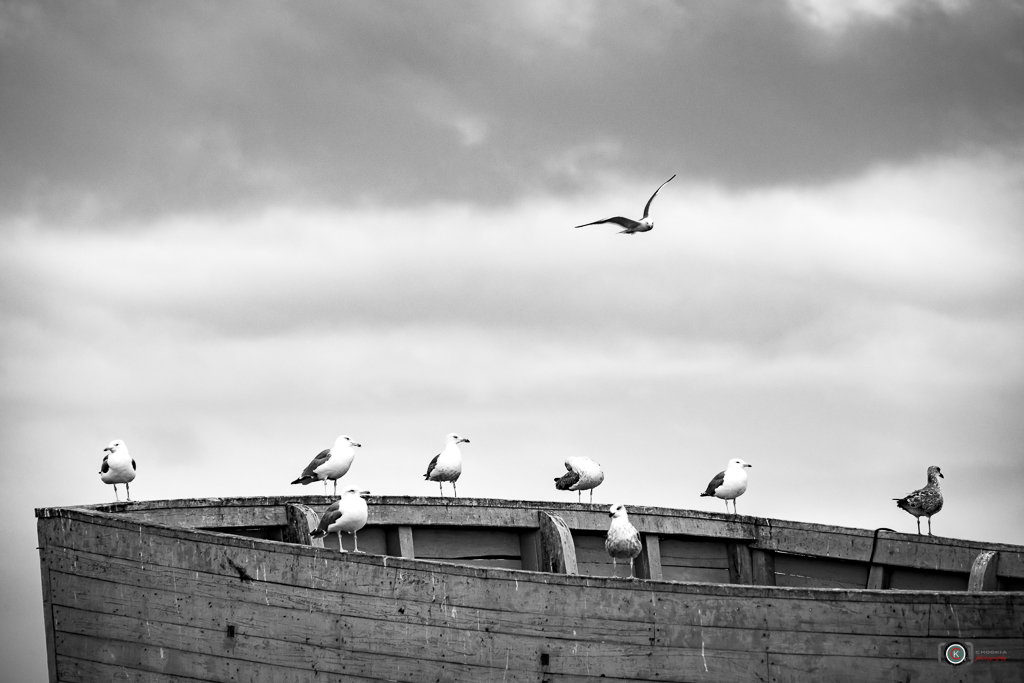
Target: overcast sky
[(230, 232)]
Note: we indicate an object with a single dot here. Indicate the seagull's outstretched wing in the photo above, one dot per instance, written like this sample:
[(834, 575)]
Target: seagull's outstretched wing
[(647, 207), (628, 223)]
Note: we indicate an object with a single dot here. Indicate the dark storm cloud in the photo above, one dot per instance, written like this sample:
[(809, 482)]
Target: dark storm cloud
[(141, 108)]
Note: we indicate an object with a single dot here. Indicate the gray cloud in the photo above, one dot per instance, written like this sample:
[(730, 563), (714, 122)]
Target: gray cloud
[(128, 108)]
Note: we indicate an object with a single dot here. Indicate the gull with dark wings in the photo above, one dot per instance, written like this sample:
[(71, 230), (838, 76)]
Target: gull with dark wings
[(631, 226)]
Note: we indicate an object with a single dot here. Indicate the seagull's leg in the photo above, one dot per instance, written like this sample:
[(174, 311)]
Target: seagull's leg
[(734, 507), (129, 492), (455, 490), (335, 487), (615, 570), (591, 496), (726, 506), (929, 523), (918, 526), (340, 546), (631, 575), (440, 488), (325, 487), (117, 497), (355, 542)]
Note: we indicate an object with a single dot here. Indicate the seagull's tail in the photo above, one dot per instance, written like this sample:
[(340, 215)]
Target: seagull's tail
[(308, 479), (901, 503), (706, 493), (317, 533)]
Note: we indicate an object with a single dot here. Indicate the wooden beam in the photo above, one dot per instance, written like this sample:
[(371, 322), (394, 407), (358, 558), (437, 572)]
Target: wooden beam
[(399, 542), (558, 553), (762, 567), (301, 519), (983, 572), (740, 564), (649, 562), (530, 550), (878, 577)]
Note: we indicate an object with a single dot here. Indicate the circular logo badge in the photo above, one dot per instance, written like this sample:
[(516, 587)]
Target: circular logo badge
[(956, 654)]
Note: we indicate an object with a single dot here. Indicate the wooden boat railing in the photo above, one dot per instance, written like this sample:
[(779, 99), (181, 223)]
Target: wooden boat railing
[(568, 538)]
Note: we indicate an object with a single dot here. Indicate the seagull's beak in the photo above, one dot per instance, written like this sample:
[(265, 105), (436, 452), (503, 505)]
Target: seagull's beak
[(364, 493), (747, 464), (108, 448), (611, 514), (357, 445), (462, 440), (942, 475)]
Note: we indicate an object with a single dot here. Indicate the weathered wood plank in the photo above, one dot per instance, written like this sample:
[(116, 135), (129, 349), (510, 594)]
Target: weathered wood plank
[(740, 569), (878, 577), (302, 519), (399, 542), (558, 552), (901, 578), (303, 567), (73, 670), (649, 561), (51, 661), (983, 572), (762, 567), (530, 550), (815, 572), (452, 543)]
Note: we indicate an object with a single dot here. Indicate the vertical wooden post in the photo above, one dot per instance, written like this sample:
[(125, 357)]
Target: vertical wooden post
[(301, 519), (558, 553), (51, 652), (399, 542), (762, 567), (878, 577), (649, 562), (983, 572), (740, 564)]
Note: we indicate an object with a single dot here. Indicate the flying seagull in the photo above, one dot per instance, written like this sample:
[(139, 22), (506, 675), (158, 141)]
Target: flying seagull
[(631, 226), (331, 464), (348, 513), (447, 465), (926, 501), (730, 484), (583, 474), (118, 467), (623, 540)]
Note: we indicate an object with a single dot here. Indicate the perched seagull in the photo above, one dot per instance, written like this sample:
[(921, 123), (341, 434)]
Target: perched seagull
[(118, 467), (730, 484), (623, 540), (348, 513), (926, 501), (331, 464), (631, 226), (447, 465), (583, 473)]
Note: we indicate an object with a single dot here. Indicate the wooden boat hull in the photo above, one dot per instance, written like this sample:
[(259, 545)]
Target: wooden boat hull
[(128, 598)]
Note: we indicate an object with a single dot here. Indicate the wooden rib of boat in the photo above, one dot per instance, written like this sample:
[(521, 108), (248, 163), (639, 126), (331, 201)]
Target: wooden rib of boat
[(476, 590)]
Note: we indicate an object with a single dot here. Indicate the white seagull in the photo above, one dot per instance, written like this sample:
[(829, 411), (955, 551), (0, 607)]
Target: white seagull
[(118, 467), (631, 226), (331, 464), (583, 474), (925, 501), (730, 484), (623, 540), (447, 465), (348, 513)]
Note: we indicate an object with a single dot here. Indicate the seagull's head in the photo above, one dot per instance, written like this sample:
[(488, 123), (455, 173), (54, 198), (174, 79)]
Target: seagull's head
[(455, 439), (617, 510), (354, 491), (114, 445), (933, 471), (344, 439), (736, 462)]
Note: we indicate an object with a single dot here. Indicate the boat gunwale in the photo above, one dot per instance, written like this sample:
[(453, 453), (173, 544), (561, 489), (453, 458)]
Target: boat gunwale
[(119, 519)]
